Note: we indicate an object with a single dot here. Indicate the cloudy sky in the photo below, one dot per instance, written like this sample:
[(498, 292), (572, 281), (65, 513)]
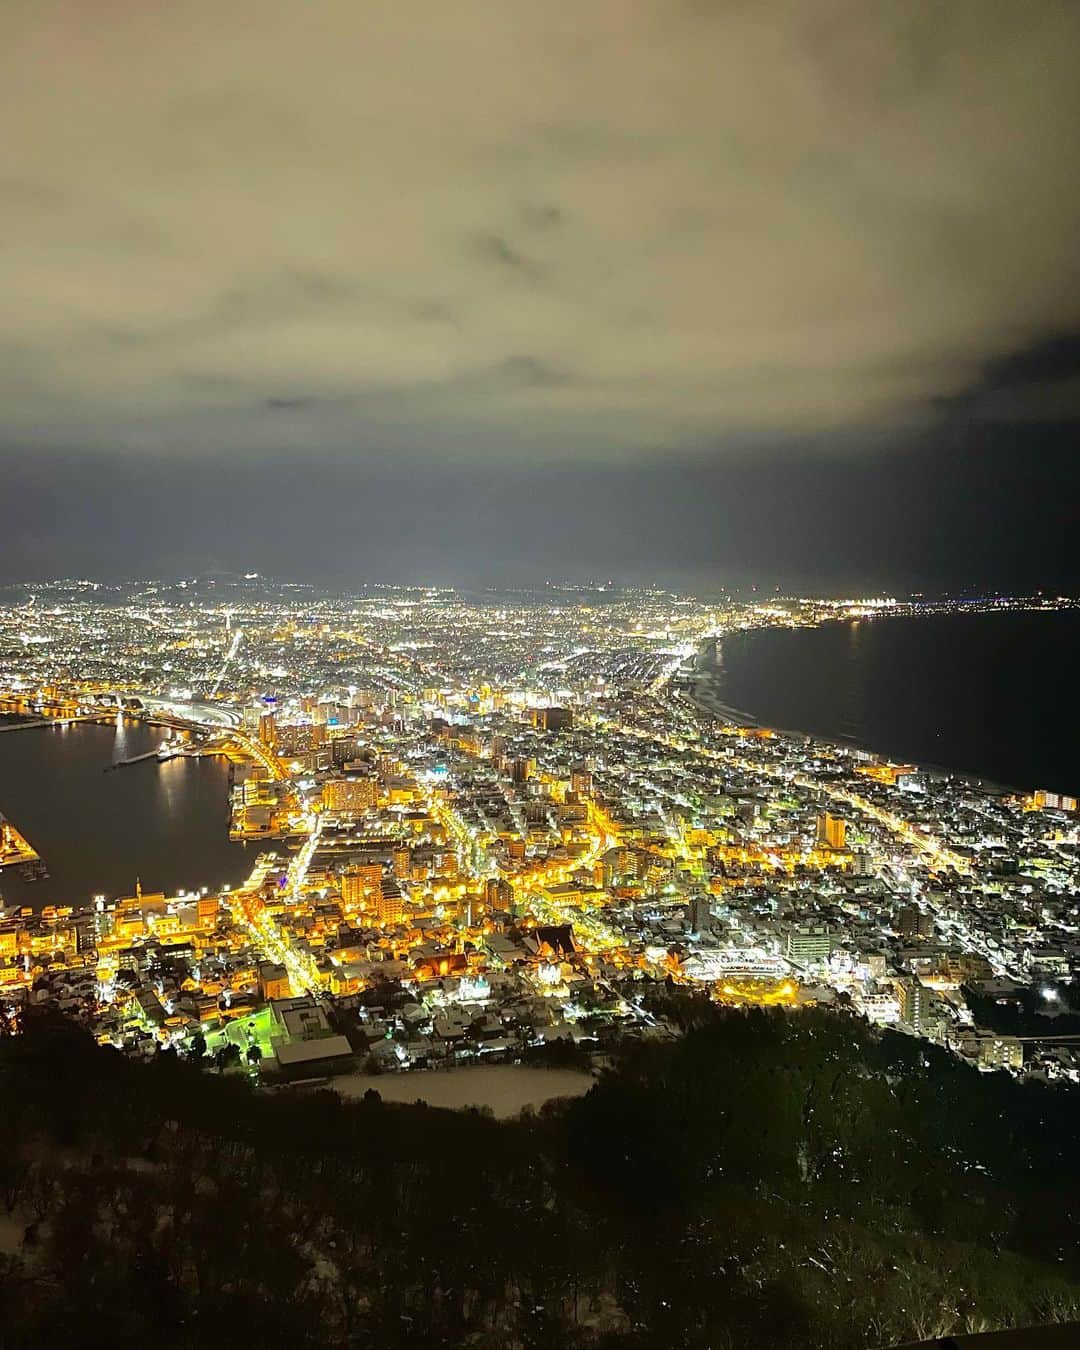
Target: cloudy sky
[(696, 290)]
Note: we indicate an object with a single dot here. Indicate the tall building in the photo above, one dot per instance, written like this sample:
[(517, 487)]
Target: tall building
[(916, 1003), (498, 893), (997, 1052), (361, 886), (1055, 801), (831, 832), (552, 719), (352, 892), (343, 749), (209, 907), (701, 915), (268, 730), (294, 740), (349, 794), (391, 903), (471, 909), (317, 759), (914, 922), (809, 944), (273, 981)]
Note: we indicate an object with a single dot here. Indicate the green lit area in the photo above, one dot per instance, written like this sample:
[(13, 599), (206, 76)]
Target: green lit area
[(243, 1032)]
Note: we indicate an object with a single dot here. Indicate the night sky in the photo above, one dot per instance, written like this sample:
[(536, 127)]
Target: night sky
[(688, 292)]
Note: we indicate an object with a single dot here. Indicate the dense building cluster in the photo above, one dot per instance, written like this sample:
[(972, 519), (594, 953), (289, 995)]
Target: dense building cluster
[(493, 820)]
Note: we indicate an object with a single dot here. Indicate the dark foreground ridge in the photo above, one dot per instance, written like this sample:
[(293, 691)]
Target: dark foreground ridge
[(768, 1180), (1062, 1337)]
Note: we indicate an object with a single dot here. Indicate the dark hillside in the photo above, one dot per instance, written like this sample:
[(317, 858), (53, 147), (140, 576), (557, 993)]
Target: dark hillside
[(767, 1180)]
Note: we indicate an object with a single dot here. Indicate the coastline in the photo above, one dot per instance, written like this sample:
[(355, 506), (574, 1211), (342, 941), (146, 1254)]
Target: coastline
[(99, 830), (715, 707)]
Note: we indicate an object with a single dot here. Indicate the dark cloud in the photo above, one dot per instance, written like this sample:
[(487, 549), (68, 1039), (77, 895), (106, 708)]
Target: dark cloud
[(289, 295), (495, 249), (433, 311), (1056, 359), (646, 237), (542, 217), (668, 203), (1040, 381), (529, 372)]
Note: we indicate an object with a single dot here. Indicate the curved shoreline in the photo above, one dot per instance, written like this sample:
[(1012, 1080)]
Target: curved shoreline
[(717, 708)]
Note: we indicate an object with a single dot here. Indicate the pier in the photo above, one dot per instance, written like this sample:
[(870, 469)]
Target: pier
[(162, 754), (14, 848), (28, 723)]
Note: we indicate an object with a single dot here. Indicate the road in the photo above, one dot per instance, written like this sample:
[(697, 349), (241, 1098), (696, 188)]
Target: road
[(931, 848)]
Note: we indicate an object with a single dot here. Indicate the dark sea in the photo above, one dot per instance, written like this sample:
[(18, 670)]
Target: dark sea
[(993, 695), (99, 828)]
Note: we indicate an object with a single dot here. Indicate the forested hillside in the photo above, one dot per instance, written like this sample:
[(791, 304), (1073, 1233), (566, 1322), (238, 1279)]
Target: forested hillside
[(769, 1180)]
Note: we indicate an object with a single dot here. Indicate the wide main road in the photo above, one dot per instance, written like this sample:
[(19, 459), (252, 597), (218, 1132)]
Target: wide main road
[(211, 716), (250, 913)]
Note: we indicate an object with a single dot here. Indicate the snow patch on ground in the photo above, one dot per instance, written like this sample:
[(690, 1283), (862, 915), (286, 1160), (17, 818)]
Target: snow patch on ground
[(12, 1228), (507, 1089)]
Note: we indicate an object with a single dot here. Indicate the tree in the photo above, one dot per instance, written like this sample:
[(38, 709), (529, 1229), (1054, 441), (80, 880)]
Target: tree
[(198, 1046), (254, 1056), (227, 1056)]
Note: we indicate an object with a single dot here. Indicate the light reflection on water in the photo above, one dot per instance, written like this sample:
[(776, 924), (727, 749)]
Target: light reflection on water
[(982, 693), (166, 823)]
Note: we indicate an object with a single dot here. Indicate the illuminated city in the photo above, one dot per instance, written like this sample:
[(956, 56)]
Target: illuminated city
[(487, 824), (539, 611)]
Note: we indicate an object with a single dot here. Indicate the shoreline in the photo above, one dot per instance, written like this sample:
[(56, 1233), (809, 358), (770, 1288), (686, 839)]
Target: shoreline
[(717, 709), (207, 858)]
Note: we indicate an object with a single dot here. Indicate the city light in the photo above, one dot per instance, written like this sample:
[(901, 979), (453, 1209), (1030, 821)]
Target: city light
[(495, 808)]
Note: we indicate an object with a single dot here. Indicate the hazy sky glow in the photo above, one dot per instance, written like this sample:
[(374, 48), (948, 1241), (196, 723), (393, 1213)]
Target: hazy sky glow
[(509, 236)]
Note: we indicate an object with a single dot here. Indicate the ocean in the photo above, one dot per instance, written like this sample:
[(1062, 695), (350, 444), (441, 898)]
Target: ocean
[(988, 694)]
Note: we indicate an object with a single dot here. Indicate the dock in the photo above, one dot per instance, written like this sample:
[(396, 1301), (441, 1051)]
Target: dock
[(162, 755), (14, 848)]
